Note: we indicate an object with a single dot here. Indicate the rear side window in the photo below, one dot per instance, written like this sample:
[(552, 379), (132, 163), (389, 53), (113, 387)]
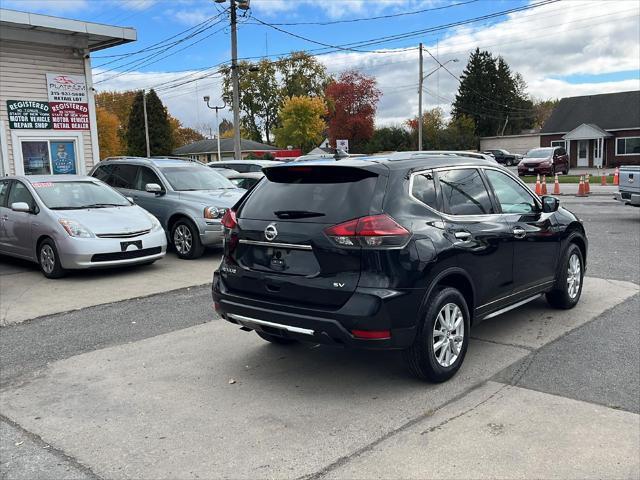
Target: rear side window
[(123, 176), (423, 189), (464, 192), (313, 194), (4, 188)]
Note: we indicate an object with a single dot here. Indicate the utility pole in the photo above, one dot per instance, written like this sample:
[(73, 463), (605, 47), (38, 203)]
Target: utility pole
[(146, 121), (420, 81), (237, 150)]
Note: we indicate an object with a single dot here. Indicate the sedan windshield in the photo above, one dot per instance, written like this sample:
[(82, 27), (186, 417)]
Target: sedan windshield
[(77, 195), (195, 178), (539, 153)]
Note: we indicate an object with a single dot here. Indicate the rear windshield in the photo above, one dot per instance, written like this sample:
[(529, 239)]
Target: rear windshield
[(312, 194)]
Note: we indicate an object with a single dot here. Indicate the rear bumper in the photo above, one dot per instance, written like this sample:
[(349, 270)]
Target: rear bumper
[(628, 198), (368, 309)]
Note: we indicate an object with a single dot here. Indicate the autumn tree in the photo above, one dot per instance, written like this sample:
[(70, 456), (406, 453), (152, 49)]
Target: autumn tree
[(181, 135), (542, 111), (160, 141), (108, 138), (119, 104), (353, 101), (302, 123)]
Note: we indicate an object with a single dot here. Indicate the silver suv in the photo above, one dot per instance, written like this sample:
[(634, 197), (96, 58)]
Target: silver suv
[(188, 198)]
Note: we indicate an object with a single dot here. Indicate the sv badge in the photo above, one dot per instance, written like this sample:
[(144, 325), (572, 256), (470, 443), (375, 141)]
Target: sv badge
[(338, 285)]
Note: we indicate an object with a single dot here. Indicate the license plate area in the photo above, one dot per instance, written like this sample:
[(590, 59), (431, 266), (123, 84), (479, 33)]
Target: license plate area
[(131, 245), (531, 169), (278, 260)]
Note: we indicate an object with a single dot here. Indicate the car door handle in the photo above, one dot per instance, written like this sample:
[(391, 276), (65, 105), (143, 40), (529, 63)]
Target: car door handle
[(519, 232), (464, 236)]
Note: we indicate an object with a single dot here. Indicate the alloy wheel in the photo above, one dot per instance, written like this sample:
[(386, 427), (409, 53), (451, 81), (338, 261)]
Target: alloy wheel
[(47, 258), (574, 276), (182, 239), (448, 334)]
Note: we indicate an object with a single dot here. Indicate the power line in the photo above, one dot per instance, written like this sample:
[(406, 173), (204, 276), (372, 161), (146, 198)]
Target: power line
[(365, 19)]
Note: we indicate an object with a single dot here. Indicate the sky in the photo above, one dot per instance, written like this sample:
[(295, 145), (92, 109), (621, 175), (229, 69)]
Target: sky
[(563, 48)]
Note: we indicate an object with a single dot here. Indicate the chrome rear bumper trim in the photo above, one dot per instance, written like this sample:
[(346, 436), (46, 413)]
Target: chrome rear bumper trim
[(293, 246), (242, 319)]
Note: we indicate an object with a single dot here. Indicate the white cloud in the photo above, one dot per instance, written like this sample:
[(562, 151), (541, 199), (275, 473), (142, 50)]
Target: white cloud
[(545, 45)]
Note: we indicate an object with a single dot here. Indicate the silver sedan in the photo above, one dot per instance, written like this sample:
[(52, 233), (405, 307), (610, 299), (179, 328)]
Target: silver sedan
[(65, 222)]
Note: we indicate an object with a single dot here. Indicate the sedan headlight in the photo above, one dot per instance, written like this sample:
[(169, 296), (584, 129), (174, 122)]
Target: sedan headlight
[(155, 224), (214, 213), (75, 229)]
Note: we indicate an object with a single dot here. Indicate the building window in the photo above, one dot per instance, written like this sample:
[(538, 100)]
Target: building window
[(628, 146), (45, 157), (558, 143)]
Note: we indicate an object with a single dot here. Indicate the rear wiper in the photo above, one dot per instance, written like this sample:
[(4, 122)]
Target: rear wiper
[(297, 214)]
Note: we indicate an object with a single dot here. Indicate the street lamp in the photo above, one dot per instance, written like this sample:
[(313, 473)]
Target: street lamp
[(206, 100)]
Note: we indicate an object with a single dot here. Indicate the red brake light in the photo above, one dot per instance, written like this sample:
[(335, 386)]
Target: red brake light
[(369, 232), (229, 219)]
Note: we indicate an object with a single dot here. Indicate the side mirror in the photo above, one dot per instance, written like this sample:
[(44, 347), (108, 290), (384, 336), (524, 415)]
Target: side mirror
[(21, 207), (550, 204), (153, 188)]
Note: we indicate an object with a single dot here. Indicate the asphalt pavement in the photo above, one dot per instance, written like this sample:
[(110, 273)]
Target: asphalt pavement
[(159, 387)]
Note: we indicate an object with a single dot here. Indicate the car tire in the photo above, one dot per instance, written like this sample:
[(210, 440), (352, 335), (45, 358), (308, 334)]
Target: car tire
[(185, 238), (428, 360), (276, 339), (49, 260), (568, 288)]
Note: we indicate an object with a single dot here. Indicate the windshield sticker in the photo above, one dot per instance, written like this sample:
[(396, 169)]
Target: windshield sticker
[(42, 184)]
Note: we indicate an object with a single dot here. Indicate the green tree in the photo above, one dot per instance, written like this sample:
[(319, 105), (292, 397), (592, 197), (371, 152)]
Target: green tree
[(301, 75), (433, 123), (302, 123), (389, 139), (459, 134), (493, 96), (160, 141), (542, 110)]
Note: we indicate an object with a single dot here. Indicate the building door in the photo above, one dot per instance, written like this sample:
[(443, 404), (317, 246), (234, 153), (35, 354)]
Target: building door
[(598, 144), (583, 153)]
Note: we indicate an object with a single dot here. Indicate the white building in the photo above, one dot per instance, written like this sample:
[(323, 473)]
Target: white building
[(47, 108)]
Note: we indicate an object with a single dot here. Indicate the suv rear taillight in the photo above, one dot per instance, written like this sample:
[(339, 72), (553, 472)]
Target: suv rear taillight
[(374, 231), (229, 219)]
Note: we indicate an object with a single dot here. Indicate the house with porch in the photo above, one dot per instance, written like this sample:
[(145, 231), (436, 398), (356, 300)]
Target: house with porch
[(596, 130)]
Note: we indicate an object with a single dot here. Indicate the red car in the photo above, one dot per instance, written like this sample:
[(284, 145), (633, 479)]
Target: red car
[(544, 161)]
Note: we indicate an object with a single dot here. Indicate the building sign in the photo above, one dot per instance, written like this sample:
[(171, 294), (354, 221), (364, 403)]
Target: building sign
[(66, 88), (63, 157), (69, 116), (342, 145), (29, 114)]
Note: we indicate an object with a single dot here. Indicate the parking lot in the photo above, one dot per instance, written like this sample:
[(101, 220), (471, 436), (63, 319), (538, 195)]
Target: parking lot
[(133, 376)]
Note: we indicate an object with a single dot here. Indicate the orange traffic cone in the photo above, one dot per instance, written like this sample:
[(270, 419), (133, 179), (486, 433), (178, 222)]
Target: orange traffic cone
[(581, 188), (603, 180), (616, 177), (538, 186), (543, 189), (556, 186), (587, 186)]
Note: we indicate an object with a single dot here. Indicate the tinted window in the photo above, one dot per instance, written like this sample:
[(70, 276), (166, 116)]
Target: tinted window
[(123, 176), (146, 175), (321, 194), (102, 172), (464, 193), (424, 189), (512, 197), (4, 188), (20, 193), (540, 153)]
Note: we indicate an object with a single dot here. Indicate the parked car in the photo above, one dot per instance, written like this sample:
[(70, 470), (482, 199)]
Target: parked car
[(544, 161), (244, 166), (187, 198), (629, 185), (245, 180), (407, 254), (504, 157), (66, 222)]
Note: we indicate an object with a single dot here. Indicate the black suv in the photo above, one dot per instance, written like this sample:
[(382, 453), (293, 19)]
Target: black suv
[(393, 254)]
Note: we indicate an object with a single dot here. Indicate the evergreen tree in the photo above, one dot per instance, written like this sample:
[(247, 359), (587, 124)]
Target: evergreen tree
[(493, 96), (160, 140)]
